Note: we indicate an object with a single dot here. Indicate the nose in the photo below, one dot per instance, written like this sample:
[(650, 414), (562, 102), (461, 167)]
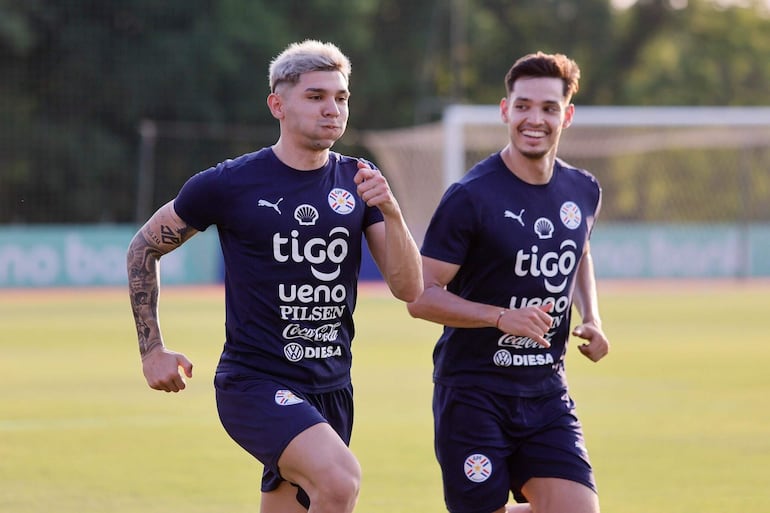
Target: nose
[(331, 109), (536, 116)]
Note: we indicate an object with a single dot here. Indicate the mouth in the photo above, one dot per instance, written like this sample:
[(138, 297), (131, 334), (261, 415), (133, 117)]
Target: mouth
[(535, 134)]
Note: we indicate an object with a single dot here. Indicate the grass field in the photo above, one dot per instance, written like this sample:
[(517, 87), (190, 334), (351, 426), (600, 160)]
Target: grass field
[(677, 417)]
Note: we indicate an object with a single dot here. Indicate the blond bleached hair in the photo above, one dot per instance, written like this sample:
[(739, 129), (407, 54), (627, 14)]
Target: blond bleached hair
[(309, 55)]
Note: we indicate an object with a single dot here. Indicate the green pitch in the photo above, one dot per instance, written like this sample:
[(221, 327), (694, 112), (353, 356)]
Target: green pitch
[(677, 417)]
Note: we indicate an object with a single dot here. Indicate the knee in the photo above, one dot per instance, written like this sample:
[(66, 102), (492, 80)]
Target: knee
[(346, 483), (338, 491)]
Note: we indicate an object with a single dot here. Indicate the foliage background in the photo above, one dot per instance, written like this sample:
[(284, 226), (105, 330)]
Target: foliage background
[(77, 77)]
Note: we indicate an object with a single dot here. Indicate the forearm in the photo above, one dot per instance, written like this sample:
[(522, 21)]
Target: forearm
[(585, 296), (143, 286), (163, 233), (443, 307), (402, 269)]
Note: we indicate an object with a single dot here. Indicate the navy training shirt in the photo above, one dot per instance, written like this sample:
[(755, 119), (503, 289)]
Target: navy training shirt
[(291, 242), (517, 245)]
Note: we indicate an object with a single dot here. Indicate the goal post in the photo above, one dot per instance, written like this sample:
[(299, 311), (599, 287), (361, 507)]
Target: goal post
[(457, 118), (676, 174)]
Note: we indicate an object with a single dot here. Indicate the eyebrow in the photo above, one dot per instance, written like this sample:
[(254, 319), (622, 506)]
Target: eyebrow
[(322, 90), (530, 100)]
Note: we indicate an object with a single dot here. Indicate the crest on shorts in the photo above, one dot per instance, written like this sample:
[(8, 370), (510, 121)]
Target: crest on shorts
[(478, 468), (286, 398)]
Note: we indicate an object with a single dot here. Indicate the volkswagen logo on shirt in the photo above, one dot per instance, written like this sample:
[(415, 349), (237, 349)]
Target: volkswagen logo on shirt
[(293, 352)]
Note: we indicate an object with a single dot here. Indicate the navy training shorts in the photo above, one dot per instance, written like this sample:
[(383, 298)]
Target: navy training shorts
[(489, 445), (263, 416)]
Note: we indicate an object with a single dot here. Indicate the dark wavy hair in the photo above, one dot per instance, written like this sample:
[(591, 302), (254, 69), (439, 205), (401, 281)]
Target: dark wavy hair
[(545, 65)]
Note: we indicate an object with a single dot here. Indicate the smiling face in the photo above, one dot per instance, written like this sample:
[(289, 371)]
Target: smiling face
[(313, 113), (536, 111)]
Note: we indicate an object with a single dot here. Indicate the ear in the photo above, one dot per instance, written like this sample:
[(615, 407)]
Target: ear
[(568, 115), (504, 110), (275, 104)]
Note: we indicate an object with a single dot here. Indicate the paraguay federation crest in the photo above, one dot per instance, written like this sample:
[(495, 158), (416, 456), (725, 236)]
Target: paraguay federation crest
[(570, 215), (342, 201), (286, 398), (478, 468)]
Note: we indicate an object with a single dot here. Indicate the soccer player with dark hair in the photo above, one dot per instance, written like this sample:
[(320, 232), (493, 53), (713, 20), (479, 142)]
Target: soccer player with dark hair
[(505, 256)]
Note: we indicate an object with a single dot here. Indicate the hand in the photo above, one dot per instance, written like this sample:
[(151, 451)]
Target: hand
[(161, 370), (533, 322), (374, 189), (597, 346)]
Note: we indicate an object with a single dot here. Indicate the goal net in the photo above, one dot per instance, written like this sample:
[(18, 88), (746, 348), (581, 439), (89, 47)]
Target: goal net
[(678, 165)]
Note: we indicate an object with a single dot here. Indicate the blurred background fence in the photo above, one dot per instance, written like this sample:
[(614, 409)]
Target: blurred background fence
[(678, 165), (106, 108), (686, 192)]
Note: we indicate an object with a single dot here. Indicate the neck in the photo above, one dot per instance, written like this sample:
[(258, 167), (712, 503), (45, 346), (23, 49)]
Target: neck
[(302, 159), (535, 171)]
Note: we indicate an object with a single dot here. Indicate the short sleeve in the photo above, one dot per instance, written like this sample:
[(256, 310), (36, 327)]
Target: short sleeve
[(198, 200), (452, 227)]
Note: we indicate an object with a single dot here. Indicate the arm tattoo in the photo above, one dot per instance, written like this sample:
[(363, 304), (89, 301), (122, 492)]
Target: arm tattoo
[(168, 236), (143, 291), (144, 252)]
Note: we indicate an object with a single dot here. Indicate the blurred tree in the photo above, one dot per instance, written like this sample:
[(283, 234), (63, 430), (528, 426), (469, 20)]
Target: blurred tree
[(581, 29), (703, 56), (632, 31), (78, 76), (387, 60)]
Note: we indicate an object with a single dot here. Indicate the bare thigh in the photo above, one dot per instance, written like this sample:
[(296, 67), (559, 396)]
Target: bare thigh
[(552, 495), (319, 461)]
